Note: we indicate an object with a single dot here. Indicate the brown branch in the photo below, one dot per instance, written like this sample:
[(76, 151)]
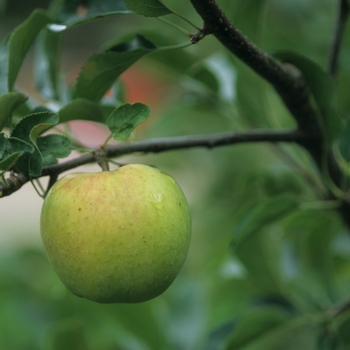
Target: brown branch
[(286, 79), (343, 15), (16, 181)]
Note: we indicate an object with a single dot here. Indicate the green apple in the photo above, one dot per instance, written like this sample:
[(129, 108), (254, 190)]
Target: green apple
[(117, 236)]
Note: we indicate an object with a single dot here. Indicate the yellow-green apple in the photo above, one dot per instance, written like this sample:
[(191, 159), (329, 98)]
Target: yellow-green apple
[(117, 236)]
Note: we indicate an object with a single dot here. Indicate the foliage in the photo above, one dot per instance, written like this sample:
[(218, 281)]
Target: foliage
[(269, 261)]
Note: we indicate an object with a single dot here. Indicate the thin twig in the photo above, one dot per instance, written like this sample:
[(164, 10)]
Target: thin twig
[(343, 15), (161, 145)]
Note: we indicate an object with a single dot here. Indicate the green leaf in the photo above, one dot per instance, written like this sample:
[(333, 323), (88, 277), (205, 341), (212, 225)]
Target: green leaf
[(4, 65), (11, 149), (101, 70), (266, 213), (323, 92), (47, 64), (148, 8), (258, 251), (68, 333), (341, 324), (74, 12), (53, 146), (28, 130), (292, 334), (8, 103), (125, 118), (20, 41), (255, 324), (81, 109)]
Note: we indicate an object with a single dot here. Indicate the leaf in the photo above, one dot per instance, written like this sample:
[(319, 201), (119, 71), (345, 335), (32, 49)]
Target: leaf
[(148, 8), (255, 324), (20, 41), (47, 64), (125, 118), (323, 92), (67, 333), (28, 130), (81, 109), (74, 12), (4, 65), (341, 324), (8, 103), (266, 213), (101, 70), (292, 334), (259, 252), (53, 146), (11, 149)]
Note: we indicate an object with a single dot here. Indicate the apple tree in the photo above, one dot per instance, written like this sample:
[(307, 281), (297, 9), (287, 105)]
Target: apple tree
[(245, 103)]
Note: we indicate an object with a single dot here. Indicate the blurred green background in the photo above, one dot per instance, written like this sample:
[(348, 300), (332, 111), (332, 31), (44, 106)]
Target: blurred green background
[(198, 90)]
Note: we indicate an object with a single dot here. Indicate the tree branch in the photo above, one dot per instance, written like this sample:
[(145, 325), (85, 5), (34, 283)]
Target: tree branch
[(343, 15), (285, 78), (16, 181)]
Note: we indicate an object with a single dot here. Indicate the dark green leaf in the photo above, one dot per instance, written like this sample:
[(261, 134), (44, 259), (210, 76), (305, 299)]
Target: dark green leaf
[(125, 118), (8, 103), (255, 324), (323, 91), (293, 334), (47, 64), (266, 213), (259, 252), (29, 129), (20, 41), (11, 149), (341, 325), (53, 146), (81, 109), (101, 70), (69, 333), (148, 8), (342, 146), (74, 12)]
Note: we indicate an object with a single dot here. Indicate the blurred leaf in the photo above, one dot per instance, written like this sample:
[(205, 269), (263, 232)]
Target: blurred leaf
[(277, 334), (20, 41), (217, 339), (74, 12), (8, 103), (342, 148), (10, 150), (81, 109), (67, 334), (101, 70), (259, 251), (224, 71), (341, 324), (53, 146), (266, 213), (29, 129), (254, 325), (315, 250), (323, 91), (125, 118), (47, 64), (4, 65), (148, 8)]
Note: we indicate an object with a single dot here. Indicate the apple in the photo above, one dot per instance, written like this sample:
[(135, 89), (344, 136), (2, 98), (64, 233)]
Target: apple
[(117, 236)]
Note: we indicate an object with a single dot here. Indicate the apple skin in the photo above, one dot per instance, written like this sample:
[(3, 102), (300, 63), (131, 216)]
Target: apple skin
[(117, 236)]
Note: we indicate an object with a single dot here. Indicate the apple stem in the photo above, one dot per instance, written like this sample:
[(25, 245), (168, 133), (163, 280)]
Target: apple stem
[(101, 158)]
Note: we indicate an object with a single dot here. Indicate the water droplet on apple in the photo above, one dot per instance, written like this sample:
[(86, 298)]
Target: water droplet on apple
[(156, 200)]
